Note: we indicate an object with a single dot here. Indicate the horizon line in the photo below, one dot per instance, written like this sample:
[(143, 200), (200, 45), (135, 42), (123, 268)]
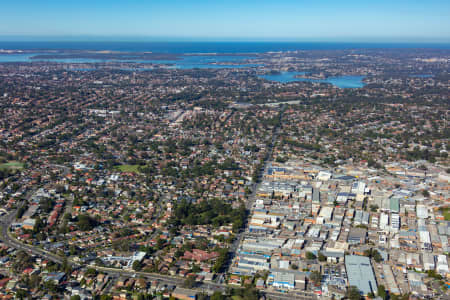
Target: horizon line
[(121, 38)]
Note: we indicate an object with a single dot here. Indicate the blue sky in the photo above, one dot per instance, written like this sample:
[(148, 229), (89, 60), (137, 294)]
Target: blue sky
[(367, 20)]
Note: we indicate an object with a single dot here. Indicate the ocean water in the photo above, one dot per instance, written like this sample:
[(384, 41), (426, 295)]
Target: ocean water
[(185, 62), (206, 59), (208, 47), (16, 57), (351, 82), (283, 77)]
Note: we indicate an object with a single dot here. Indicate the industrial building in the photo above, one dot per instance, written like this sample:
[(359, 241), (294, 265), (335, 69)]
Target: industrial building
[(360, 273)]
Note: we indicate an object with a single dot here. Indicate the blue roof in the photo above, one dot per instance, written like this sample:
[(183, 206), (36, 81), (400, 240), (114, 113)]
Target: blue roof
[(346, 177)]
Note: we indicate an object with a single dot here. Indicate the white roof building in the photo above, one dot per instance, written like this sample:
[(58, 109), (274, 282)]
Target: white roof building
[(324, 176), (424, 237), (422, 211), (384, 221), (326, 212), (442, 264), (428, 261)]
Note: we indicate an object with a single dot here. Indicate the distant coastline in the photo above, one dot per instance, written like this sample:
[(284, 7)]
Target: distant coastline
[(216, 48)]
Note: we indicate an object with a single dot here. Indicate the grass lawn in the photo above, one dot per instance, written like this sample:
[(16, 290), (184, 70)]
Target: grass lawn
[(446, 212), (128, 168), (13, 165)]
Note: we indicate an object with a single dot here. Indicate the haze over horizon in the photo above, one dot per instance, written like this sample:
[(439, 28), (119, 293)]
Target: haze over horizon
[(285, 20)]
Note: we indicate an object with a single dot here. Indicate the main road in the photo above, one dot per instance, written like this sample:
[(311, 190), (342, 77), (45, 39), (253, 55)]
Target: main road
[(252, 197), (249, 205), (7, 238)]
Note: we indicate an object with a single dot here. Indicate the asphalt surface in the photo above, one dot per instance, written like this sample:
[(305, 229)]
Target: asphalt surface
[(7, 238)]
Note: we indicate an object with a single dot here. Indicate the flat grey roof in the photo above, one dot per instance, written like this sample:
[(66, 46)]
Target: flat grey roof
[(360, 273)]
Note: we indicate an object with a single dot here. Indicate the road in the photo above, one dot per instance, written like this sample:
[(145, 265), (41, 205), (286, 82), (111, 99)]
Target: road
[(249, 205), (252, 197), (7, 238)]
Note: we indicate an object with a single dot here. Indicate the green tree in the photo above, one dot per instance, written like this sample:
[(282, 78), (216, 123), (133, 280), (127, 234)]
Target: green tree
[(189, 282), (22, 261), (221, 260), (217, 295), (399, 297), (322, 257), (250, 294), (21, 294), (67, 216), (310, 255), (373, 207), (353, 293), (373, 253), (377, 256), (381, 292), (433, 274), (91, 272), (195, 269), (66, 267), (315, 277), (137, 266), (86, 222)]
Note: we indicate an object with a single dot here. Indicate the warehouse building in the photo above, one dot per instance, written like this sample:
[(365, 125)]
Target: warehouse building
[(360, 273)]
